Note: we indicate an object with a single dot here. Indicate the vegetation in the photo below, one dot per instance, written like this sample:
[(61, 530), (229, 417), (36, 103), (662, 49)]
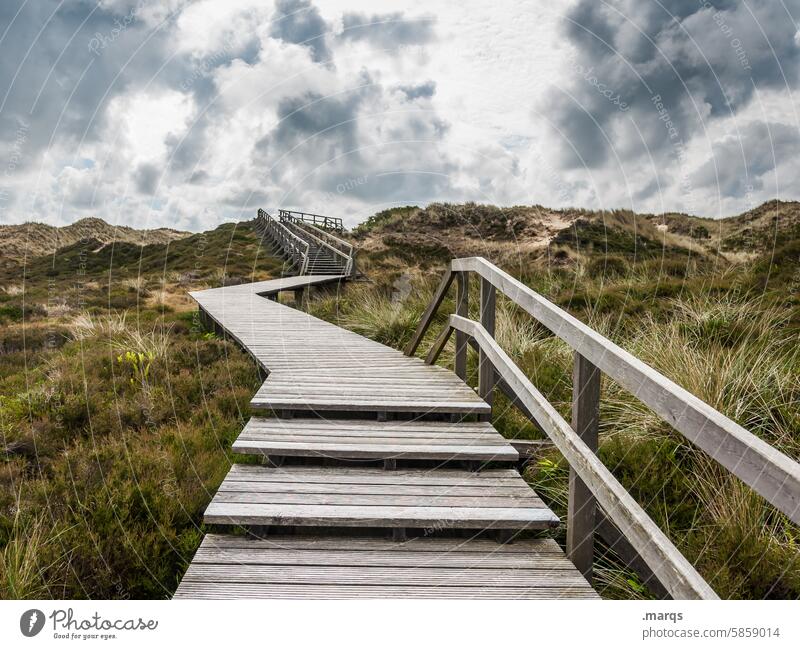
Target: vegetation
[(726, 328), (117, 415), (118, 410)]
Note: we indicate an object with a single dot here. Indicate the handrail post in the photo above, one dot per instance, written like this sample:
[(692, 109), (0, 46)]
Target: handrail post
[(486, 379), (462, 309), (581, 508)]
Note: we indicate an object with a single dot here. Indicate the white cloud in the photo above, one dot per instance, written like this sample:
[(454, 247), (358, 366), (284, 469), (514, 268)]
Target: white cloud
[(227, 108), (141, 121)]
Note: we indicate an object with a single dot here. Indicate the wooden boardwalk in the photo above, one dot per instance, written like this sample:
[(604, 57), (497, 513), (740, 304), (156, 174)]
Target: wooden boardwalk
[(334, 404), (316, 366)]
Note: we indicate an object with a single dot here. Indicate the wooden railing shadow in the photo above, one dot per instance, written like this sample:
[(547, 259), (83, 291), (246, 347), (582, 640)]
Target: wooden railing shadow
[(597, 501)]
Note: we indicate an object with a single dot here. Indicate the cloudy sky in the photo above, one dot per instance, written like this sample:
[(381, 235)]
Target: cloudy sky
[(191, 113)]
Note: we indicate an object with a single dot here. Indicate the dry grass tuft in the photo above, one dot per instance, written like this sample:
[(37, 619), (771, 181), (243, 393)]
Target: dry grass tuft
[(153, 342), (13, 290)]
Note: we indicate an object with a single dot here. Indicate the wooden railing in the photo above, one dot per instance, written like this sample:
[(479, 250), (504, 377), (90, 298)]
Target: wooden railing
[(328, 222), (293, 246), (336, 246), (766, 470)]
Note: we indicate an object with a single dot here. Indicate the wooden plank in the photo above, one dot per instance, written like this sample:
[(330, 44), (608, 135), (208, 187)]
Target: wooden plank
[(375, 440), (427, 316), (461, 560), (381, 576), (411, 428), (378, 451), (389, 489), (581, 503), (372, 405), (487, 315), (479, 518), (438, 346), (462, 309), (190, 590), (453, 477), (359, 437), (349, 567), (443, 546), (438, 500), (440, 508)]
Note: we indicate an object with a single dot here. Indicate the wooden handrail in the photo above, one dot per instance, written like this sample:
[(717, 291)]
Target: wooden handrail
[(332, 222), (765, 469), (348, 259), (667, 563), (322, 233), (427, 317), (296, 248)]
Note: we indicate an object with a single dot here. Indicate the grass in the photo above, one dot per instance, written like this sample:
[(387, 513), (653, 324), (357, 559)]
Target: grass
[(110, 461), (116, 421)]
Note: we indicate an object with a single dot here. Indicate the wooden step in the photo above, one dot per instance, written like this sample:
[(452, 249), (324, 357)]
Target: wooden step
[(227, 566), (371, 380), (256, 495), (361, 439)]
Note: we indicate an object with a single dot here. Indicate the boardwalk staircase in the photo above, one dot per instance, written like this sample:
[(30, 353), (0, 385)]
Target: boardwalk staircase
[(379, 474), (308, 242)]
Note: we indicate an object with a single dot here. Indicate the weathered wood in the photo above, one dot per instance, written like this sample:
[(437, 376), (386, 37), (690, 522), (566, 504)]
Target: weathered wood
[(530, 448), (430, 312), (581, 505), (442, 546), (438, 346), (369, 489), (304, 592), (353, 475), (364, 439), (487, 318), (436, 510), (462, 309), (436, 500), (765, 469), (671, 567), (347, 567)]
